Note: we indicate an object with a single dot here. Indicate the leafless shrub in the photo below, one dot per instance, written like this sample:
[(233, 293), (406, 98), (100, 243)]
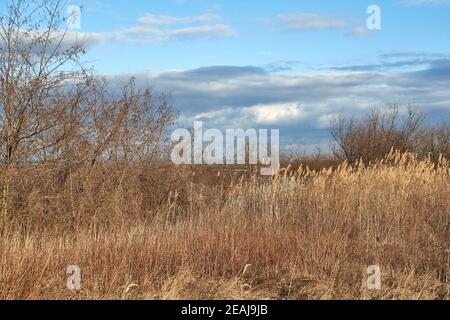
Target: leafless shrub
[(434, 142), (373, 136), (54, 111)]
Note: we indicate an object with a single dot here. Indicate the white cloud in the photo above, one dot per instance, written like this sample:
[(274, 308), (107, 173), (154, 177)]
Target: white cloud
[(155, 29), (61, 39), (308, 21), (151, 19), (359, 32), (150, 35), (275, 113)]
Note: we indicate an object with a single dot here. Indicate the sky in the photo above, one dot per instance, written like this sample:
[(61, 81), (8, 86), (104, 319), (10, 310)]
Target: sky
[(282, 64)]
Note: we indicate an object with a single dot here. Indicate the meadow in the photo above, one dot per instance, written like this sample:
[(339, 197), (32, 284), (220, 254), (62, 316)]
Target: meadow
[(86, 184), (214, 233)]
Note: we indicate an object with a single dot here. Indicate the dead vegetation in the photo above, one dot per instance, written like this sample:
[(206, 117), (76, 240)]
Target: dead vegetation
[(302, 235), (83, 183)]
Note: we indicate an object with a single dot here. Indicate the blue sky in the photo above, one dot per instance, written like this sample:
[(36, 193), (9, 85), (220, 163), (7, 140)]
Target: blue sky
[(275, 64), (256, 34)]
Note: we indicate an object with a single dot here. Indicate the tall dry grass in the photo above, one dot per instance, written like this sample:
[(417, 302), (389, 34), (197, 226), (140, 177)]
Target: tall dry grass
[(174, 233)]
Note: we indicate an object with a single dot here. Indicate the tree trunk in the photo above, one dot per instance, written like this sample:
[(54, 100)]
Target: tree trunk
[(4, 203)]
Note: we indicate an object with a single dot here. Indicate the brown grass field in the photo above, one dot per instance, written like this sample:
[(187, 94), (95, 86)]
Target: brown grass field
[(199, 233), (86, 184)]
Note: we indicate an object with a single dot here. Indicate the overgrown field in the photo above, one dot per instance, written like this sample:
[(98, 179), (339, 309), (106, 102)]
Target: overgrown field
[(176, 233)]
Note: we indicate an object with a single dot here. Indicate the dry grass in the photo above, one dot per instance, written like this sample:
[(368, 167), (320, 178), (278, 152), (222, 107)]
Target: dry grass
[(164, 234)]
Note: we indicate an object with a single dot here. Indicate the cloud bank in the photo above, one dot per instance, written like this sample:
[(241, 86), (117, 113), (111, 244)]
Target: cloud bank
[(300, 105), (153, 29)]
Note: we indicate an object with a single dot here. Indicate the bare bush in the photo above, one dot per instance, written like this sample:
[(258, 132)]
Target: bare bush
[(434, 142), (373, 136), (54, 111)]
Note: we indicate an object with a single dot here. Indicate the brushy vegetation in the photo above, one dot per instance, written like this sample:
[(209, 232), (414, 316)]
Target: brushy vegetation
[(83, 182), (300, 235)]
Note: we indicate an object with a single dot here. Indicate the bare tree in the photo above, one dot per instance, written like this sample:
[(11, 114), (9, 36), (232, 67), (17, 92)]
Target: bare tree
[(372, 136), (434, 142), (54, 110), (141, 118), (37, 62)]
